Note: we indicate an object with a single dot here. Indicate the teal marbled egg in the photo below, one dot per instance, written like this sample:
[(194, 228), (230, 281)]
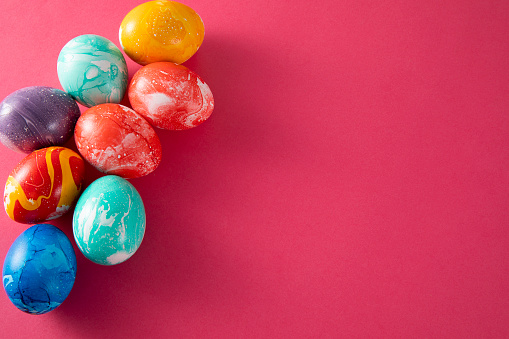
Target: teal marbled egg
[(109, 221), (93, 70)]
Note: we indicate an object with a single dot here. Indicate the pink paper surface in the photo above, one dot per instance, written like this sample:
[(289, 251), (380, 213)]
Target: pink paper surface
[(352, 181)]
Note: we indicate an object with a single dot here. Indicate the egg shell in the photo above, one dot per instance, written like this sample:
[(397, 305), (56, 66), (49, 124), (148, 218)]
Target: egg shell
[(37, 117), (44, 185), (116, 140), (161, 31), (93, 70), (170, 96), (109, 221), (39, 269)]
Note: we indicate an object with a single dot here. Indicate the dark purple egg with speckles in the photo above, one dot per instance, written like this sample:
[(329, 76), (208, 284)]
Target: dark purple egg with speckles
[(36, 117)]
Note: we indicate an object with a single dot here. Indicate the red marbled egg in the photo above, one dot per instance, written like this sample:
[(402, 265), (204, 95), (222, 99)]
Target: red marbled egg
[(116, 140), (170, 96), (44, 185)]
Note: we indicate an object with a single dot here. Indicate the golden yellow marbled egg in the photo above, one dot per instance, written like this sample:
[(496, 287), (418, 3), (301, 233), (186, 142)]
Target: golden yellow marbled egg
[(161, 31)]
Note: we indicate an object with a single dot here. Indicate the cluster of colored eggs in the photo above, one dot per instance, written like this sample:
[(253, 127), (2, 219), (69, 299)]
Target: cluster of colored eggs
[(109, 217)]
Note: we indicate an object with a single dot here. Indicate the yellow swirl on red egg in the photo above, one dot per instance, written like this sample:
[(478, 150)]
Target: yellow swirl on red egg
[(24, 199)]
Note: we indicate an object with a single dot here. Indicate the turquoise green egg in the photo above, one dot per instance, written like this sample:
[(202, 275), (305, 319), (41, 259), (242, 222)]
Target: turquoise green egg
[(109, 221), (93, 70)]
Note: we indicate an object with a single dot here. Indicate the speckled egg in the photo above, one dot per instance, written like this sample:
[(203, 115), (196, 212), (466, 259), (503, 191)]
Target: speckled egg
[(39, 269), (109, 221), (37, 117), (170, 96), (161, 31), (116, 140), (93, 70), (44, 185)]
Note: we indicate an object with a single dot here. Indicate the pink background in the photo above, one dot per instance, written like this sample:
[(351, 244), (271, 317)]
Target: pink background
[(353, 180)]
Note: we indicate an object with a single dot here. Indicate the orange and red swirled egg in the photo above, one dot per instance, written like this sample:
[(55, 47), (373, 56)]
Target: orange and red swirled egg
[(170, 96), (116, 140)]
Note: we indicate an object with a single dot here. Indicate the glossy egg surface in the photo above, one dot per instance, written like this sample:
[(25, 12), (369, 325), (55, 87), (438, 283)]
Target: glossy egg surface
[(170, 96), (36, 117), (161, 31), (109, 221), (93, 70), (44, 185), (39, 269), (116, 140)]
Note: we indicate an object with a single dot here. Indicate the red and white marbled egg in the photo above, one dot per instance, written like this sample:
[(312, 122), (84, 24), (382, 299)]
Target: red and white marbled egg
[(170, 96), (116, 140)]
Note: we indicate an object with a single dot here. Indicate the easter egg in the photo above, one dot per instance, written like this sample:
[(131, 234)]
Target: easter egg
[(93, 70), (116, 140), (161, 31), (44, 185), (39, 269), (170, 96), (37, 117), (109, 221)]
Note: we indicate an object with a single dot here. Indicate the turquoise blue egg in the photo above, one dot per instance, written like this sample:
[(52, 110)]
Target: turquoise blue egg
[(39, 269), (92, 70), (109, 221)]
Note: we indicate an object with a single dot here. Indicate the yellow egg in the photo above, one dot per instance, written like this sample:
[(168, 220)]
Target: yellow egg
[(161, 31)]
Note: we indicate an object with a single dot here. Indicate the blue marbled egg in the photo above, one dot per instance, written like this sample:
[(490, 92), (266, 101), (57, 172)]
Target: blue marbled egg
[(93, 70), (39, 269), (109, 221)]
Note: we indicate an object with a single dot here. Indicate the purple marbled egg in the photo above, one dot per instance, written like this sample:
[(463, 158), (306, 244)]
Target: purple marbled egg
[(36, 117)]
